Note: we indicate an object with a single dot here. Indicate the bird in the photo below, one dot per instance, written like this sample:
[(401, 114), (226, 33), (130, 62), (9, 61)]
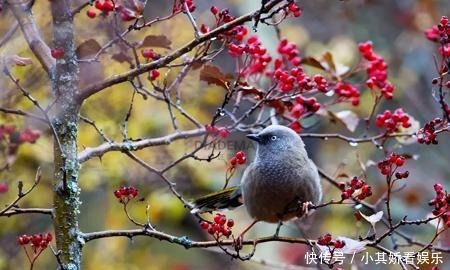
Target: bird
[(280, 184)]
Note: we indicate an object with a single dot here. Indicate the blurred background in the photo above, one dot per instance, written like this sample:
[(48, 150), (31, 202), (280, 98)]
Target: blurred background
[(396, 29)]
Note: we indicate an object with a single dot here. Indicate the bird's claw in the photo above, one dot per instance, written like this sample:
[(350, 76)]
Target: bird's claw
[(304, 210)]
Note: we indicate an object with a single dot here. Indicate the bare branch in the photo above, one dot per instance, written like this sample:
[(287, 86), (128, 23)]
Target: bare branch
[(22, 113), (17, 211), (102, 149), (11, 31), (37, 104), (21, 193), (184, 241)]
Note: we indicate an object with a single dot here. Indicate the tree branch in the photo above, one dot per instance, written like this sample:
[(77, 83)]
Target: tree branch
[(102, 149), (24, 16), (127, 76), (17, 211)]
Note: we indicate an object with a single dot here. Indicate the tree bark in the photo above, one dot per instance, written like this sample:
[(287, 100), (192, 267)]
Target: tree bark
[(65, 120)]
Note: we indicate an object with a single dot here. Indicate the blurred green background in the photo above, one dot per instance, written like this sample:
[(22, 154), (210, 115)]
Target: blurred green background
[(396, 29)]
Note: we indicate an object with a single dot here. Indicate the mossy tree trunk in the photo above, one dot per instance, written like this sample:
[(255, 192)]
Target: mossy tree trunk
[(64, 79)]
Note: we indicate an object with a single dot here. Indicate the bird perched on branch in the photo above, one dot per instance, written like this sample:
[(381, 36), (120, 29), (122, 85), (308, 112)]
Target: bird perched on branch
[(278, 185)]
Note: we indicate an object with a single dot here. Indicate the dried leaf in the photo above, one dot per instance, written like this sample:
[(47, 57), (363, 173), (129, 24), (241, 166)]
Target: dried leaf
[(122, 57), (373, 219), (313, 62), (342, 70), (88, 48), (346, 117), (159, 41), (250, 90), (328, 59), (212, 75)]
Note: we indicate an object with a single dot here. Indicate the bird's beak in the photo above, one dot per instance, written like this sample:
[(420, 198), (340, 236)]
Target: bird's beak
[(254, 137)]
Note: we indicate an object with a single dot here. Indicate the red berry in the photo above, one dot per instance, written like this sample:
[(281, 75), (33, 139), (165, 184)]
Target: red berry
[(324, 239), (227, 232), (214, 10), (57, 53), (91, 14), (3, 187), (147, 53), (339, 244), (217, 218), (204, 225), (153, 74), (241, 160), (230, 223), (223, 132), (438, 187), (400, 161), (239, 154)]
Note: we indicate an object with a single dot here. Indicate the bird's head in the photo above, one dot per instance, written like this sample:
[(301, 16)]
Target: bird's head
[(276, 138)]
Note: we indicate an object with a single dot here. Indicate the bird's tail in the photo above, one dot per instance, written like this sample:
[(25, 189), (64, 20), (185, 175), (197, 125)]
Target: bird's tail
[(225, 199)]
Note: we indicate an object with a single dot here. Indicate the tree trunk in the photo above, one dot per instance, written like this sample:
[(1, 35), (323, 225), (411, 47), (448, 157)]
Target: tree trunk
[(64, 79)]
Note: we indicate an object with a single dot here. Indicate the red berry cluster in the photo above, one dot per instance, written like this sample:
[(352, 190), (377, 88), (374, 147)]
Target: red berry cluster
[(238, 159), (125, 194), (107, 6), (288, 51), (150, 54), (347, 91), (303, 105), (289, 74), (376, 70), (221, 17), (221, 131), (57, 53), (321, 83), (327, 240), (220, 226), (178, 6), (259, 59), (27, 135), (392, 121), (427, 134), (294, 9), (388, 165), (37, 241), (153, 74), (441, 33), (441, 204), (348, 189)]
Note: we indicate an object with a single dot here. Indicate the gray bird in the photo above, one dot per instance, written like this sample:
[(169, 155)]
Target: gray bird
[(277, 185)]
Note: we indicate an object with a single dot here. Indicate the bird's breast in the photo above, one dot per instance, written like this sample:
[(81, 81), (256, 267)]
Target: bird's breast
[(272, 190)]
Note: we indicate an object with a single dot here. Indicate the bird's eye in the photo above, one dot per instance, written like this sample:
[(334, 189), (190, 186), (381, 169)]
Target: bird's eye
[(273, 138)]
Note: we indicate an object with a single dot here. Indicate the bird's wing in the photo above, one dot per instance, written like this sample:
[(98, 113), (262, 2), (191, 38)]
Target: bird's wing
[(224, 199)]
